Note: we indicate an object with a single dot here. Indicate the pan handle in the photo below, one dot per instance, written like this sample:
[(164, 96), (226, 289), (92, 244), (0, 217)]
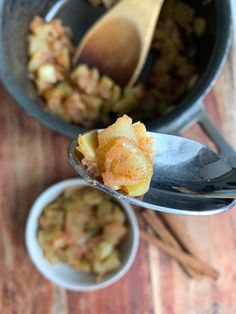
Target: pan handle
[(225, 149)]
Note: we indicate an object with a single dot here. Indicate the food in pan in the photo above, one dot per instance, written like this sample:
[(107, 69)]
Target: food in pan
[(84, 96)]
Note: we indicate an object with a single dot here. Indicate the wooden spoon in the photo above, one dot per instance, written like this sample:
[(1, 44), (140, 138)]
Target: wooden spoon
[(119, 42)]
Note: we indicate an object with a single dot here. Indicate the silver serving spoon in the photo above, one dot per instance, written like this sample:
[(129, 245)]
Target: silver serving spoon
[(188, 178)]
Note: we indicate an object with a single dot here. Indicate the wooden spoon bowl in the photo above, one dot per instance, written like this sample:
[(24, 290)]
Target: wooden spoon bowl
[(119, 42)]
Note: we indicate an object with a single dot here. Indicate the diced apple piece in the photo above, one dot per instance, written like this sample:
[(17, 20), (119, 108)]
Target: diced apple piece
[(55, 97), (63, 58), (75, 107), (90, 86), (116, 93), (86, 79), (118, 214), (92, 102), (80, 265), (47, 73), (121, 128), (57, 29), (95, 74), (125, 104), (81, 76), (125, 164), (140, 129), (104, 211), (74, 222), (144, 142), (103, 250), (130, 100), (101, 153), (68, 32), (93, 106), (88, 143), (140, 188), (37, 60), (42, 86), (45, 31), (105, 88), (36, 24), (114, 231), (36, 44), (134, 91), (109, 264), (58, 92), (199, 26)]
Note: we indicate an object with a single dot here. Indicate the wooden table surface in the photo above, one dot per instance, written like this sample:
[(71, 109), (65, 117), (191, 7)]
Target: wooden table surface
[(32, 158)]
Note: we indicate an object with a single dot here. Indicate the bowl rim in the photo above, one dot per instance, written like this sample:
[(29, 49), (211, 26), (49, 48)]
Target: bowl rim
[(30, 235)]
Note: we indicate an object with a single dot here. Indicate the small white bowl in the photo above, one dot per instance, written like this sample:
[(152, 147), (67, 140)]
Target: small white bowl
[(62, 274)]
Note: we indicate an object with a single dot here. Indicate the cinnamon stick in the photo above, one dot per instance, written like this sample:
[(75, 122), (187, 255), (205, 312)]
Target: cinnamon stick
[(164, 234), (160, 229), (178, 228), (185, 258)]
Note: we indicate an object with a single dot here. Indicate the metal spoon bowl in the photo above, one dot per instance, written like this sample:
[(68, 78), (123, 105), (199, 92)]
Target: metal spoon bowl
[(188, 178)]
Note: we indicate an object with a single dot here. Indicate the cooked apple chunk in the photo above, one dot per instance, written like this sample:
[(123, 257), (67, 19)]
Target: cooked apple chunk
[(121, 128), (121, 155), (87, 146), (125, 164)]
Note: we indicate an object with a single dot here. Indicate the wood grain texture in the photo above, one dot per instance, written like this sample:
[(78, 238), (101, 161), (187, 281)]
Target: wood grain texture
[(32, 158)]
